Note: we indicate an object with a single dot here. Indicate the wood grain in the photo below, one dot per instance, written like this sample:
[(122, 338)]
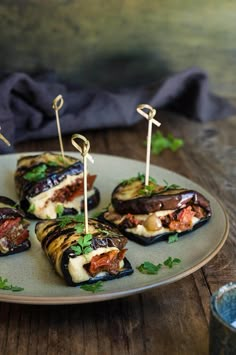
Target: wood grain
[(172, 319)]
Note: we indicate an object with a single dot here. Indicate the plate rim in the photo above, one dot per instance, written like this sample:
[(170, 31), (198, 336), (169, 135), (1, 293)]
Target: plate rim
[(80, 299)]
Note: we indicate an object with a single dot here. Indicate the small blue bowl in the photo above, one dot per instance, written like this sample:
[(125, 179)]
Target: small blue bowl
[(222, 333)]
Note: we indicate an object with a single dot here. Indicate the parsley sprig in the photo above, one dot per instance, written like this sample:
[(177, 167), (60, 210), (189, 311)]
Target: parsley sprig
[(96, 287), (147, 190), (140, 177), (37, 173), (4, 285), (173, 238), (149, 268), (83, 245), (170, 186), (67, 219), (170, 262), (160, 142)]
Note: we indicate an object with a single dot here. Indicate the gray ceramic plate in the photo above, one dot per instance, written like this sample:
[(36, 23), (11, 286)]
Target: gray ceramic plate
[(32, 271)]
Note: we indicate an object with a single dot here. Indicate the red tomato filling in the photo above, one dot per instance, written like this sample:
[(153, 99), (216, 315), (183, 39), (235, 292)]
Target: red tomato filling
[(183, 220), (13, 231), (107, 262)]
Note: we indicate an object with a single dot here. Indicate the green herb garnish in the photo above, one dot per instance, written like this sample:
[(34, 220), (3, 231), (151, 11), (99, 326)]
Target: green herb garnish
[(147, 190), (169, 262), (59, 210), (96, 287), (5, 286), (173, 238), (31, 208), (149, 268), (52, 163), (83, 245), (140, 177), (170, 187), (160, 143), (37, 173), (64, 220)]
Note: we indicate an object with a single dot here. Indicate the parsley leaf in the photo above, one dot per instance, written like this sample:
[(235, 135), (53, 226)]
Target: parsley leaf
[(169, 262), (5, 286), (37, 173), (83, 245), (79, 228), (31, 208), (67, 219), (173, 238), (170, 187), (59, 210), (160, 142), (52, 163), (140, 177), (96, 287), (148, 190), (149, 268)]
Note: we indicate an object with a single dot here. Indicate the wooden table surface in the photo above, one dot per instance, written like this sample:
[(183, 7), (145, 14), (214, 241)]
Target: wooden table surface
[(171, 319)]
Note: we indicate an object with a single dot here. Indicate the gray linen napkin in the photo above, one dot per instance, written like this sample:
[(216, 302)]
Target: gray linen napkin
[(26, 104)]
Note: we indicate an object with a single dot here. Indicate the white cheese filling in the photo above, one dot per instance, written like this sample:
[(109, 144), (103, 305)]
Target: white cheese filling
[(44, 208), (141, 230), (76, 264)]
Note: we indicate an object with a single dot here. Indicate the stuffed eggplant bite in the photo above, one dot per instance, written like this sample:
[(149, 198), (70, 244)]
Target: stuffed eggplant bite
[(84, 258), (146, 214), (14, 234), (49, 185)]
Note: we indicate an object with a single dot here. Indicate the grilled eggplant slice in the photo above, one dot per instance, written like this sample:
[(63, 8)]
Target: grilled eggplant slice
[(48, 185), (147, 215), (102, 258), (13, 228)]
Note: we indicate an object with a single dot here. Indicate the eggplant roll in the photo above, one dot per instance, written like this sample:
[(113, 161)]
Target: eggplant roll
[(14, 232), (48, 185), (147, 215), (80, 262)]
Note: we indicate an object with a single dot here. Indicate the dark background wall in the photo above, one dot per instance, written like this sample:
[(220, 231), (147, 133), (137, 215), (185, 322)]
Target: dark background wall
[(120, 42)]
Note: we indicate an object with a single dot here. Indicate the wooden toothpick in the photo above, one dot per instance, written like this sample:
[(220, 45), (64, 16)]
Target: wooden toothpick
[(57, 105), (4, 139), (84, 149), (150, 117)]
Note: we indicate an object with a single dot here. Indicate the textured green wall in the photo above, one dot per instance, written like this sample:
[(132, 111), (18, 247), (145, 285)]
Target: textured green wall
[(120, 42)]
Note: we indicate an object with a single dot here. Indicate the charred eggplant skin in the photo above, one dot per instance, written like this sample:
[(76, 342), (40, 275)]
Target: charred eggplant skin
[(34, 188), (18, 249), (38, 174), (104, 236), (127, 270), (168, 200), (9, 211), (161, 199)]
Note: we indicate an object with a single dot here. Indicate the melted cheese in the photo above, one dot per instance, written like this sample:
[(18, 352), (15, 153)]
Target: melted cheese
[(46, 209), (114, 217), (142, 231), (76, 264)]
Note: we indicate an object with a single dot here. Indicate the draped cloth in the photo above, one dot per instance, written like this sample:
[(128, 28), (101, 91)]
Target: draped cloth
[(26, 104)]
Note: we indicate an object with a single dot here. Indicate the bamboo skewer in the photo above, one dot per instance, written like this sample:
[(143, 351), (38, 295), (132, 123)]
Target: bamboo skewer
[(84, 149), (6, 141), (150, 117), (57, 105)]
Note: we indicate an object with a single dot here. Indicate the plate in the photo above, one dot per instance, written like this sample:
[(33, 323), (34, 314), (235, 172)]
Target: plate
[(32, 270)]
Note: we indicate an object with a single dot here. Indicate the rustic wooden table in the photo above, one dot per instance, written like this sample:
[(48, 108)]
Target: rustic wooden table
[(172, 319)]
